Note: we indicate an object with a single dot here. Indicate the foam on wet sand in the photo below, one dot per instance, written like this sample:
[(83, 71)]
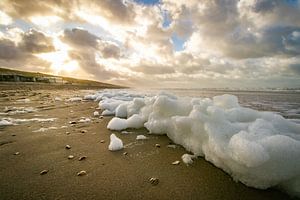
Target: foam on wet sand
[(260, 149)]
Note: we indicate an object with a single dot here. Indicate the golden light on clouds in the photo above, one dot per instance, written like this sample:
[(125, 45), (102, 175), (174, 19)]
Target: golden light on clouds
[(60, 61), (167, 41), (45, 21)]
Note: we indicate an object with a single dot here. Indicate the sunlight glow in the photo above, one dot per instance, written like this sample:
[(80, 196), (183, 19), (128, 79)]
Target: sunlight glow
[(60, 61), (45, 21)]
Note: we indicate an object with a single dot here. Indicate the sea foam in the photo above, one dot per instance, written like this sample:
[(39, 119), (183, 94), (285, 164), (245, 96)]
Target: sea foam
[(259, 149)]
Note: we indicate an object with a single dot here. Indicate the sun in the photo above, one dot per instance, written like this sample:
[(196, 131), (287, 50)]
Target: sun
[(60, 60)]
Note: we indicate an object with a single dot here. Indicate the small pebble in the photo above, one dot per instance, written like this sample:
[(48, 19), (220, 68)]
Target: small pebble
[(157, 145), (82, 158), (70, 157), (45, 171), (177, 162), (125, 153), (68, 146), (101, 117), (72, 122), (83, 131), (154, 181), (17, 153), (13, 135), (171, 146), (102, 141), (81, 173), (68, 133)]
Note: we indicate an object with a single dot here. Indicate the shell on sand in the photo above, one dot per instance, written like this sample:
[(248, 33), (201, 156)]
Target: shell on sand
[(82, 158), (45, 171), (177, 162), (154, 181), (81, 173)]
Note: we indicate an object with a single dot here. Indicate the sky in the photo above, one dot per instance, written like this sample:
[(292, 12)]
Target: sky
[(156, 43)]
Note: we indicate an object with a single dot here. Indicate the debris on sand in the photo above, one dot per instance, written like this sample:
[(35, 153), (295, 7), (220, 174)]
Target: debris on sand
[(84, 120), (81, 173), (173, 146), (141, 137), (154, 181), (82, 158), (45, 171), (177, 162)]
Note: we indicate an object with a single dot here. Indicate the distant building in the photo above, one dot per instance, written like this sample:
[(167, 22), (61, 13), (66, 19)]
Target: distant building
[(22, 78)]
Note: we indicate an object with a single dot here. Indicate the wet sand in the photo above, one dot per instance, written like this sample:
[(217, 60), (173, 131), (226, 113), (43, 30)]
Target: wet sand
[(110, 175)]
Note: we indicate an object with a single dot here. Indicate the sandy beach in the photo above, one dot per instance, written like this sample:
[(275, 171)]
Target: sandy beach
[(110, 175)]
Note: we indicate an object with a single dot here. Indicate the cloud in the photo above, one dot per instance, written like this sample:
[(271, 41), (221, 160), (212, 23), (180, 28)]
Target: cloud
[(80, 38), (153, 70), (85, 49), (87, 61), (36, 42), (8, 50), (295, 68), (20, 54), (224, 40), (30, 42)]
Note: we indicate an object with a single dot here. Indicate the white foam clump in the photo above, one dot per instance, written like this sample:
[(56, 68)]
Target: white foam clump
[(45, 129), (23, 100), (84, 120), (141, 137), (74, 99), (96, 114), (13, 121), (58, 99), (112, 102), (17, 110), (115, 143), (260, 149), (188, 158), (5, 122)]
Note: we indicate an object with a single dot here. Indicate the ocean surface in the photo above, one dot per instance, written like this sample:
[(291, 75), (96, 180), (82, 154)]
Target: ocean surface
[(283, 102)]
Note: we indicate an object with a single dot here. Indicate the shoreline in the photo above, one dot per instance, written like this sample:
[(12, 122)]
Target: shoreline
[(110, 175)]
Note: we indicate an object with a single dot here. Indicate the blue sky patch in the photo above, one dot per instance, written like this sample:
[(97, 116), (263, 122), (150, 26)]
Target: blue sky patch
[(178, 43), (148, 2)]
